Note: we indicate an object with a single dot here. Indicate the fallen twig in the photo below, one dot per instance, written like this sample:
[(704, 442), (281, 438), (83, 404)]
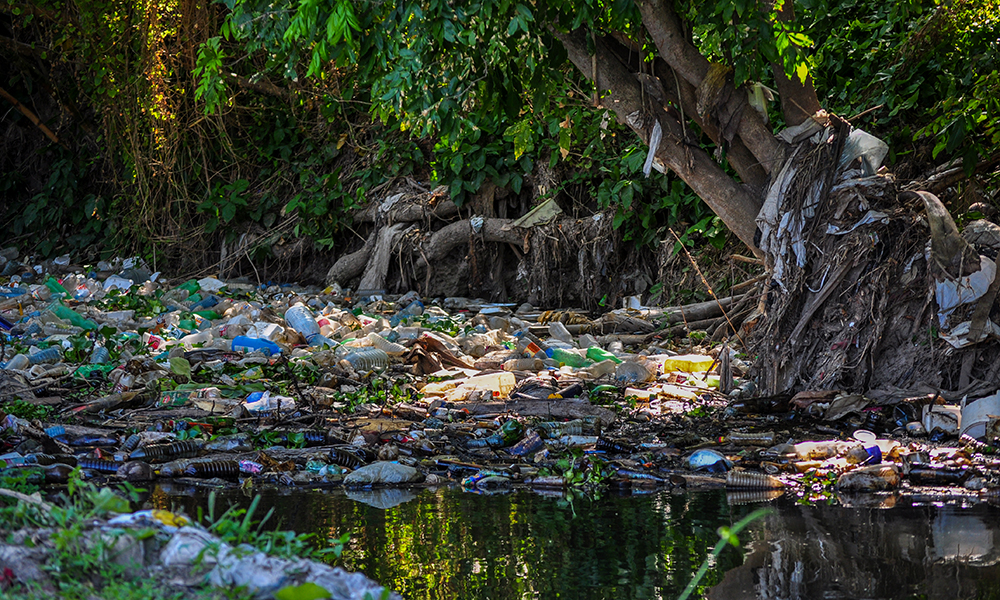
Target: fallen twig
[(26, 498)]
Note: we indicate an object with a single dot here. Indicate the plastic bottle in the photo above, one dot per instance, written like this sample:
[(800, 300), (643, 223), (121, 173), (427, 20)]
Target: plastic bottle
[(934, 475), (412, 309), (100, 355), (248, 344), (55, 431), (554, 429), (56, 473), (762, 406), (390, 348), (301, 319), (818, 450), (749, 439), (191, 286), (527, 342), (202, 337), (366, 359), (18, 362), (530, 444), (869, 479), (597, 370), (50, 355), (559, 331), (632, 372), (523, 364), (207, 302), (71, 315), (568, 357), (688, 363), (501, 384), (56, 288), (597, 354)]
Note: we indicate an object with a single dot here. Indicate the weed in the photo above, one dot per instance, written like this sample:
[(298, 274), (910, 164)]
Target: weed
[(727, 535), (27, 410)]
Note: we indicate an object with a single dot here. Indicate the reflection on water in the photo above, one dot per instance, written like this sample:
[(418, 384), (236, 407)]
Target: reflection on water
[(445, 543), (908, 551)]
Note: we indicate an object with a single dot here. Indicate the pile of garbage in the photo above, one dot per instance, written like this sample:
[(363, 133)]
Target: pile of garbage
[(116, 371)]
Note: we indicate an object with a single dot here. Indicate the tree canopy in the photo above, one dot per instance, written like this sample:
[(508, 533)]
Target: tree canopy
[(174, 117)]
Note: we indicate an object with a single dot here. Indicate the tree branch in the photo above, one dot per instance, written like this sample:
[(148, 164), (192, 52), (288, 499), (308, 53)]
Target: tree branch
[(751, 172), (261, 87), (30, 115), (19, 47), (737, 208), (664, 26)]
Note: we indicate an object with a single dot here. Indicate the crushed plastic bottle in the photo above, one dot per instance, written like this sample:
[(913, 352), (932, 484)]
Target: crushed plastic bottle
[(366, 359)]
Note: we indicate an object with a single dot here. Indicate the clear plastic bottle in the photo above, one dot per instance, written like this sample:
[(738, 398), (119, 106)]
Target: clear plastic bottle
[(366, 359), (50, 355), (390, 348), (100, 355), (412, 309), (559, 331), (301, 319), (18, 362)]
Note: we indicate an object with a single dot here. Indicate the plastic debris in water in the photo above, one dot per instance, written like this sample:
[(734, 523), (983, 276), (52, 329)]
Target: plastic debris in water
[(756, 481), (709, 460)]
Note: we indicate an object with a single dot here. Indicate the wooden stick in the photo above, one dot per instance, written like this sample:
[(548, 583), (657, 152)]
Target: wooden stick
[(746, 259), (748, 283), (31, 116), (26, 498)]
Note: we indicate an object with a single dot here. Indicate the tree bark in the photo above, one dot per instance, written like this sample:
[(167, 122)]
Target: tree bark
[(683, 95), (664, 27), (446, 239), (351, 265), (622, 94)]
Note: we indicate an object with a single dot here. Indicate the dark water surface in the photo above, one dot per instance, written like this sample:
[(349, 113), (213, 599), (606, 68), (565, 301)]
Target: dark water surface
[(446, 543)]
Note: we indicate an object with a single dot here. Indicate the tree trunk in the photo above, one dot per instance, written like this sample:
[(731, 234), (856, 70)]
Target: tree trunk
[(622, 93), (798, 98)]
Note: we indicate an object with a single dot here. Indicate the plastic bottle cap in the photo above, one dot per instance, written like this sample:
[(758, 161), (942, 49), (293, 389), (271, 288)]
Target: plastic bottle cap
[(864, 436)]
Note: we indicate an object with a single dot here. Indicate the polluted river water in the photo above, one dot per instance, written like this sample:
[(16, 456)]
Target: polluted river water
[(449, 543), (310, 397)]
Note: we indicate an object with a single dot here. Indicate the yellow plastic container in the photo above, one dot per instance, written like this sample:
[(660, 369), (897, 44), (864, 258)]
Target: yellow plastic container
[(689, 363), (438, 388), (501, 384)]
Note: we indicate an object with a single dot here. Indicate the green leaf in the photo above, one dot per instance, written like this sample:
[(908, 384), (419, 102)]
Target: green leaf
[(228, 212), (521, 134), (180, 366)]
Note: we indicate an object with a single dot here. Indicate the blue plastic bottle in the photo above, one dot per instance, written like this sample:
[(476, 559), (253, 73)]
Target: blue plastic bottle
[(248, 344)]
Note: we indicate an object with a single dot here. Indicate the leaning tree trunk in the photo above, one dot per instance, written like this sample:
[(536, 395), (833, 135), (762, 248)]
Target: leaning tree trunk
[(853, 301)]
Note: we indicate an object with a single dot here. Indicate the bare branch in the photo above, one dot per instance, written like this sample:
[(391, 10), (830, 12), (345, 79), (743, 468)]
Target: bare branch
[(30, 115)]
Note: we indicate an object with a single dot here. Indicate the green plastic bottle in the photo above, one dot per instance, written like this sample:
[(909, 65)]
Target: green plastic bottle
[(56, 288), (597, 354), (566, 357), (72, 316), (511, 431)]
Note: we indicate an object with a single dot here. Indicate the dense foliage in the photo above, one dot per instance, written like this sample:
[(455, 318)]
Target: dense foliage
[(182, 123)]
